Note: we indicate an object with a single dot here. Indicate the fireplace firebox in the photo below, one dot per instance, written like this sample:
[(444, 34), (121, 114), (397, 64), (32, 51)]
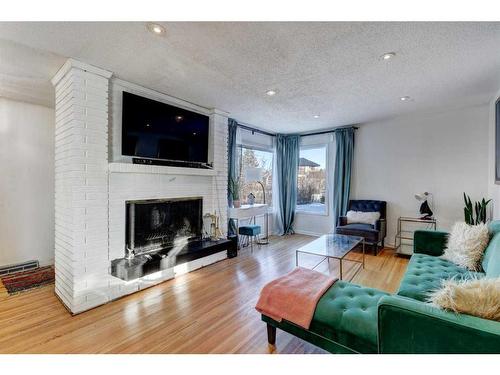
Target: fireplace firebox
[(158, 224)]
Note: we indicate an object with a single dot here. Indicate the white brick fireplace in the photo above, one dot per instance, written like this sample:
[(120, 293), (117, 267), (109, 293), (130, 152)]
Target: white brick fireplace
[(93, 181)]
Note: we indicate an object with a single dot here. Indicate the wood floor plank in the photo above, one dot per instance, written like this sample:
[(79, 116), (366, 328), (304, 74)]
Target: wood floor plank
[(210, 310)]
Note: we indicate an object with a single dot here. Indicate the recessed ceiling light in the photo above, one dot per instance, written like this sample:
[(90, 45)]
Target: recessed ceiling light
[(156, 28), (316, 116), (179, 118), (271, 92), (388, 55), (405, 98)]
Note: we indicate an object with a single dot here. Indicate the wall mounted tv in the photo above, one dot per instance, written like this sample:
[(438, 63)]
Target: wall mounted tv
[(159, 133)]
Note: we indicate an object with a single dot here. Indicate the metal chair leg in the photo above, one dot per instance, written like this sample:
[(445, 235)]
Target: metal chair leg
[(243, 240)]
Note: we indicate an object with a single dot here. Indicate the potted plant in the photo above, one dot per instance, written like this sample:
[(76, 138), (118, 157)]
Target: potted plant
[(234, 190), (479, 208)]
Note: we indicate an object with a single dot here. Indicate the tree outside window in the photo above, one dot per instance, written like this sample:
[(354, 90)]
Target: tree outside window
[(253, 158), (311, 180)]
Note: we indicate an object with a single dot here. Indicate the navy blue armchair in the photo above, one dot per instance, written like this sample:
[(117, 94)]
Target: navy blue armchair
[(373, 234)]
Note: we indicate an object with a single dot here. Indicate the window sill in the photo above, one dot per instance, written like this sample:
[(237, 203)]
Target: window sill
[(311, 213)]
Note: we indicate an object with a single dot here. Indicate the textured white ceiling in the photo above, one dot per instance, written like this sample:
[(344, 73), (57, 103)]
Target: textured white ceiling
[(25, 73), (332, 69)]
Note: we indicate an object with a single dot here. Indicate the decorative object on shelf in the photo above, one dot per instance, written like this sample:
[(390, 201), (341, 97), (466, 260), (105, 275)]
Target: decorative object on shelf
[(234, 191), (425, 209), (251, 199), (215, 232), (479, 208), (257, 174)]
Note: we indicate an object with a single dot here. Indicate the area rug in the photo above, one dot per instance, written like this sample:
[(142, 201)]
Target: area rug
[(26, 280)]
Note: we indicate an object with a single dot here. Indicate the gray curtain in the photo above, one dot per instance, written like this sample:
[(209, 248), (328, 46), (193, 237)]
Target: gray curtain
[(344, 145), (287, 164), (232, 168)]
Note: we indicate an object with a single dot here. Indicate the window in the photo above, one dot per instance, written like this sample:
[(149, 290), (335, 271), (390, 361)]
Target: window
[(311, 180), (254, 158)]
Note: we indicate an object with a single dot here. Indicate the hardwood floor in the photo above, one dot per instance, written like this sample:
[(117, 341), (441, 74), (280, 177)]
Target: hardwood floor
[(210, 310)]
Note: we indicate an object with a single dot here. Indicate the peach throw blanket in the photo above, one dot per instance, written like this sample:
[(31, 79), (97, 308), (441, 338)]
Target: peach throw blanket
[(294, 297)]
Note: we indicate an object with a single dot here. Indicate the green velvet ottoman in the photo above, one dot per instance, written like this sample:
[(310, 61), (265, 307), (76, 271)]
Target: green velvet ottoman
[(345, 320)]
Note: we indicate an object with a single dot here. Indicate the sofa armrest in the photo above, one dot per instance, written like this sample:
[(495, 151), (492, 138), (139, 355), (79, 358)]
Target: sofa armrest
[(410, 326), (342, 221), (430, 242)]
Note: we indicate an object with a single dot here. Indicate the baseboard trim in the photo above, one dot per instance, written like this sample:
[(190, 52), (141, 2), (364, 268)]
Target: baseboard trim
[(308, 233)]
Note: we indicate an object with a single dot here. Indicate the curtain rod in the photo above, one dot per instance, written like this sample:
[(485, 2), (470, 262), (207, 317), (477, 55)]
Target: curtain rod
[(328, 131), (254, 130)]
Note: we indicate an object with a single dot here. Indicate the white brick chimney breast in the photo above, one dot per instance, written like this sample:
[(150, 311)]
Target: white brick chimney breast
[(92, 185)]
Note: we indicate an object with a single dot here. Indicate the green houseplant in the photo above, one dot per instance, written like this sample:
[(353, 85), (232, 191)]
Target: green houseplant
[(478, 209), (234, 190)]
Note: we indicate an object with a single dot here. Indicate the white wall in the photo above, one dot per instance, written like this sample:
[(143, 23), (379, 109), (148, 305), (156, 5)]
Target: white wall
[(445, 154), (27, 186), (493, 188)]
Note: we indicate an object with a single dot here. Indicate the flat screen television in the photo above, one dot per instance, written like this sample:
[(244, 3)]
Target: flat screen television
[(155, 130)]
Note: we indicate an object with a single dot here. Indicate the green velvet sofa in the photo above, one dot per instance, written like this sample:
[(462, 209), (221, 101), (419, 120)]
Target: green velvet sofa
[(353, 319)]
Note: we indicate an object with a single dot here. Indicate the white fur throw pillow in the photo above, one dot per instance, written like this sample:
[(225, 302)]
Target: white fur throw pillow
[(477, 297), (362, 217), (466, 245)]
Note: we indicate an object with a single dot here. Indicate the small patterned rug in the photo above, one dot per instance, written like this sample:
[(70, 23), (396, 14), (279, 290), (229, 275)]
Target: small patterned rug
[(26, 280)]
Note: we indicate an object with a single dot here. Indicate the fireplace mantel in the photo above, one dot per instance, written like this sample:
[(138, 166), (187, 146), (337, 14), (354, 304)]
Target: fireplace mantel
[(159, 169)]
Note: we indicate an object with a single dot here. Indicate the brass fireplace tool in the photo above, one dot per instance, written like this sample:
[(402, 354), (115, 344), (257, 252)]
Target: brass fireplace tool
[(215, 232)]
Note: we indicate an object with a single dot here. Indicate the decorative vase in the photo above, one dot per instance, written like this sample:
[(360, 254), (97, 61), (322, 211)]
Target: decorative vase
[(236, 203), (251, 199)]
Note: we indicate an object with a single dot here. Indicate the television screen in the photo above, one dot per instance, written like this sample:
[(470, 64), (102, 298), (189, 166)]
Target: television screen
[(151, 129)]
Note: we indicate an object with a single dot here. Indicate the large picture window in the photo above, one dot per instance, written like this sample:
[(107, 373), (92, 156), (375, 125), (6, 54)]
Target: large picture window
[(255, 158), (311, 180)]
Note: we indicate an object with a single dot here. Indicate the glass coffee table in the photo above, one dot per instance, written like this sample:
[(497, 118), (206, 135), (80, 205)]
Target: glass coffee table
[(335, 246)]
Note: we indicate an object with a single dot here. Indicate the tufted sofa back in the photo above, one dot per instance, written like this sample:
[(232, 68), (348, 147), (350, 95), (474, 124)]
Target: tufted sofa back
[(369, 206), (491, 258)]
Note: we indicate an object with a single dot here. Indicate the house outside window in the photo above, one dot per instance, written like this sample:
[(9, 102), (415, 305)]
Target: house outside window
[(312, 180)]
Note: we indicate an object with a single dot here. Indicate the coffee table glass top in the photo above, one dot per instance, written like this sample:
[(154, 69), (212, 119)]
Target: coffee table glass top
[(331, 245)]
